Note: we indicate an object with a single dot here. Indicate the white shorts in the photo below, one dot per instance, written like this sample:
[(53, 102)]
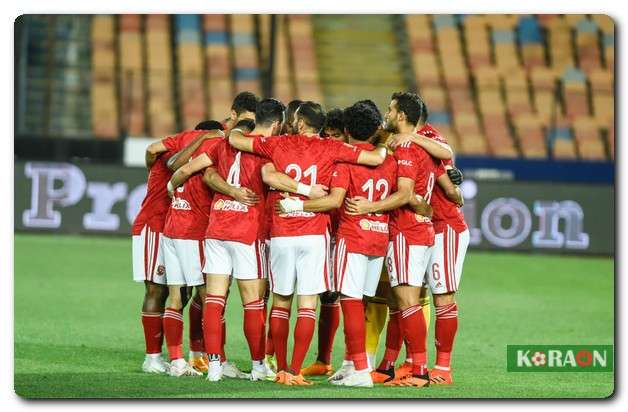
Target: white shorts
[(148, 257), (357, 275), (301, 261), (225, 257), (184, 261), (444, 268), (406, 264)]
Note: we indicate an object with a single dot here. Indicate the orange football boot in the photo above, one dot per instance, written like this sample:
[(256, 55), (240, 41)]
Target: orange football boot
[(299, 380), (380, 376), (441, 377), (318, 368), (284, 378), (410, 380), (404, 370), (199, 363)]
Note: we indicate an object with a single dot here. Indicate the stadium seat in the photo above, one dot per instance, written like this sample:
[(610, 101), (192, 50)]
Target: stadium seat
[(531, 42), (160, 75), (219, 85), (103, 97), (587, 136), (132, 100), (283, 76), (543, 82), (602, 91), (587, 45), (302, 48), (575, 93), (562, 142), (560, 49), (190, 65), (531, 137), (476, 36), (246, 59)]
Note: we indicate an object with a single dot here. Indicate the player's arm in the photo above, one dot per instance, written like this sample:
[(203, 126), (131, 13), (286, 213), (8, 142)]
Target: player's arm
[(372, 157), (240, 142), (436, 149), (403, 195), (242, 194), (420, 206), (184, 172), (332, 201), (285, 183), (153, 151), (452, 191), (182, 157)]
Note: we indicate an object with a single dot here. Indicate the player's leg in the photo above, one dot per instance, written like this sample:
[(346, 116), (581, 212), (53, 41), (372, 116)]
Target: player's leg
[(197, 347), (412, 262), (148, 267), (248, 269), (282, 277), (444, 277), (312, 269), (376, 313)]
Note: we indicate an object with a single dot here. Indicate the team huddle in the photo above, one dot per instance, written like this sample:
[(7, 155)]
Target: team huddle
[(350, 208)]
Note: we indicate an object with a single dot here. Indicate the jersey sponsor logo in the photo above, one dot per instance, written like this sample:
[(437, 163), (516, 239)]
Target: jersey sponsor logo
[(374, 226), (161, 270), (422, 219), (404, 162), (230, 206), (180, 204), (298, 214)]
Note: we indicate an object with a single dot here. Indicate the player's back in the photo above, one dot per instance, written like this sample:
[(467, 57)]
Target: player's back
[(366, 234), (156, 202), (230, 219), (415, 163), (189, 209)]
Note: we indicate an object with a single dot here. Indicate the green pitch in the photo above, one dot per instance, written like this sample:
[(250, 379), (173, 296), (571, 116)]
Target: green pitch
[(78, 333)]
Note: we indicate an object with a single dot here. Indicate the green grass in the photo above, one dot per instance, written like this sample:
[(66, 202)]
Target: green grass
[(78, 333)]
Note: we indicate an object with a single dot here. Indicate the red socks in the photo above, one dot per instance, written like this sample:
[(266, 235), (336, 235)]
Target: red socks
[(213, 327), (196, 327), (394, 340), (173, 329), (355, 331), (280, 327), (153, 332), (254, 328), (327, 326), (414, 330), (445, 332), (303, 332)]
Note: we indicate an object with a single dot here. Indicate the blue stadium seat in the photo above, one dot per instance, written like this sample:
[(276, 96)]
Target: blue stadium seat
[(444, 20), (586, 26), (439, 118), (529, 30), (187, 22), (573, 75), (240, 39), (246, 73), (503, 36), (559, 133), (216, 37)]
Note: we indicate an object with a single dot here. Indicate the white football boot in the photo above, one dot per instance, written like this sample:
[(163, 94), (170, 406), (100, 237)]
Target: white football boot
[(260, 371), (345, 369), (214, 371), (360, 379), (179, 367), (154, 363), (231, 371)]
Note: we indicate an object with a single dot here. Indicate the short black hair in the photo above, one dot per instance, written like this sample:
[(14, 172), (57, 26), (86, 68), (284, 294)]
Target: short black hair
[(292, 107), (268, 111), (312, 114), (334, 120), (361, 121), (209, 125), (244, 102), (370, 103), (410, 104), (246, 125)]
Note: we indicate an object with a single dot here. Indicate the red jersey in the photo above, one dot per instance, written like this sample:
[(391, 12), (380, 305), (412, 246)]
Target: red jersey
[(230, 219), (446, 212), (156, 202), (366, 234), (414, 163), (309, 160), (189, 209)]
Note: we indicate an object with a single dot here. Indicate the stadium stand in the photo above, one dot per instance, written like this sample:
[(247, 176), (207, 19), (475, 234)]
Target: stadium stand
[(532, 86)]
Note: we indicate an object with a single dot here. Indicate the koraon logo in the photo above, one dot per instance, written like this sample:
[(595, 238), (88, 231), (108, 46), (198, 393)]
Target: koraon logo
[(560, 358)]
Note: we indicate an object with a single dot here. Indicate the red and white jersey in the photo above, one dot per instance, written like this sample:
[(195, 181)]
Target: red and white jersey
[(309, 160), (230, 219), (189, 209), (446, 212), (156, 202), (415, 163), (365, 234)]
